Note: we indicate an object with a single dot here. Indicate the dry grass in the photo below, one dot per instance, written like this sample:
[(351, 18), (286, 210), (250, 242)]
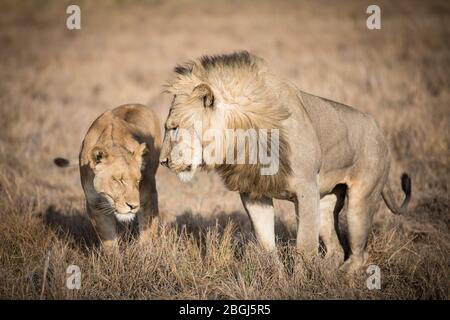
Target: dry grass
[(55, 82)]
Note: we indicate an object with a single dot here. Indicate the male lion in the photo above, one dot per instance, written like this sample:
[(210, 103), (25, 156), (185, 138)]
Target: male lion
[(327, 151), (118, 163)]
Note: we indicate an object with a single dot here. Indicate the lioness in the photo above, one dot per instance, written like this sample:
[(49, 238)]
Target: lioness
[(118, 163), (327, 151)]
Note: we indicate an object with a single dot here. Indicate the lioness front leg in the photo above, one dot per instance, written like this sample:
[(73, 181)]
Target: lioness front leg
[(147, 219), (308, 218), (261, 214), (106, 227)]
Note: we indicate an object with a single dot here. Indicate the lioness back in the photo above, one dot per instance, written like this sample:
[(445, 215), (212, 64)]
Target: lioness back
[(147, 124)]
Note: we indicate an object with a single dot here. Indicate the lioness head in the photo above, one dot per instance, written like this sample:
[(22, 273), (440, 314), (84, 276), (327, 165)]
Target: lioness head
[(117, 177)]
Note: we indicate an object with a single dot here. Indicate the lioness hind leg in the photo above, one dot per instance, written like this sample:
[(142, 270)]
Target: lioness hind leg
[(360, 212), (330, 206)]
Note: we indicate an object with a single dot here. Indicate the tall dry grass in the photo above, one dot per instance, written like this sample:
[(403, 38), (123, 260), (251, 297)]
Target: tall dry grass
[(55, 82), (201, 259)]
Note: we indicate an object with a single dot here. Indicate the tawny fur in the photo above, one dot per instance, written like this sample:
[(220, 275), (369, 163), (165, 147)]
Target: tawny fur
[(245, 91), (326, 148), (118, 162)]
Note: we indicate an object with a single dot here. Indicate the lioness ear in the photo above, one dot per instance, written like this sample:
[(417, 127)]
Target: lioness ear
[(205, 92), (140, 152), (98, 155)]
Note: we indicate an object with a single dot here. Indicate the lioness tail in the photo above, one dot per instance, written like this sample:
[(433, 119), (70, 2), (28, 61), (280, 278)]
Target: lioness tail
[(61, 162)]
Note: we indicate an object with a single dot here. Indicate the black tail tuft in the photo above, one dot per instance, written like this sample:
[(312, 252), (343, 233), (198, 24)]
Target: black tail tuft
[(406, 184), (389, 199), (61, 162)]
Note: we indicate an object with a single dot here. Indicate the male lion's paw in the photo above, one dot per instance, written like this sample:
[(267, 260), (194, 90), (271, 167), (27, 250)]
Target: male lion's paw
[(334, 259), (354, 263)]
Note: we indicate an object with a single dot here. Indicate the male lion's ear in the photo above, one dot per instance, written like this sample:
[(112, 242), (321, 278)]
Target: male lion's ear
[(98, 155), (205, 92)]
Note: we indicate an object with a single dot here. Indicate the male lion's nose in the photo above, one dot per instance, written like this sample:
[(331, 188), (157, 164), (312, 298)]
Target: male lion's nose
[(164, 162), (132, 206)]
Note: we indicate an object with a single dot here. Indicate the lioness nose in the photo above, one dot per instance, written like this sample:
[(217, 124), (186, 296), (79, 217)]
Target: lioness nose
[(132, 206), (164, 162)]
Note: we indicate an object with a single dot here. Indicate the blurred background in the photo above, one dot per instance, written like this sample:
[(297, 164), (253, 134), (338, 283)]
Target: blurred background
[(55, 82)]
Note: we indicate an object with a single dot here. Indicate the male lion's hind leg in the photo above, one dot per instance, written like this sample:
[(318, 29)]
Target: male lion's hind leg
[(307, 211), (360, 212), (330, 207)]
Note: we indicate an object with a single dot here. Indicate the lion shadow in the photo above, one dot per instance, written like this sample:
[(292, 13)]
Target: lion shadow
[(236, 222), (75, 226)]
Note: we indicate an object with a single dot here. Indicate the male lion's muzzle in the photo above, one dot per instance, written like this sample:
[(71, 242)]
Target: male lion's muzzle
[(164, 156)]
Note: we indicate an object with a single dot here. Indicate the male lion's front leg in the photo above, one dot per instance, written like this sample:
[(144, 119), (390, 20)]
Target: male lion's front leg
[(307, 211), (262, 216)]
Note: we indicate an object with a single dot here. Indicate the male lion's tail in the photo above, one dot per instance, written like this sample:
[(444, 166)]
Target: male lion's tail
[(389, 197)]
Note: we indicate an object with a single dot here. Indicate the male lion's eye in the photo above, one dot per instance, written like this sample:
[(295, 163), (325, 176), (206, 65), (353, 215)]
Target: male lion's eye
[(118, 180), (174, 133)]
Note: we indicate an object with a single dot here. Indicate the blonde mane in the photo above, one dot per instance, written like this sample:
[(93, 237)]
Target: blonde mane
[(248, 96)]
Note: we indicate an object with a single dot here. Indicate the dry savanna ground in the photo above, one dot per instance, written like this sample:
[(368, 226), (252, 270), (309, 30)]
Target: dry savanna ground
[(55, 82)]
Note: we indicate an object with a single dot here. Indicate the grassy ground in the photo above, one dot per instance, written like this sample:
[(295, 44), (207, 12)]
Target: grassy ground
[(55, 82)]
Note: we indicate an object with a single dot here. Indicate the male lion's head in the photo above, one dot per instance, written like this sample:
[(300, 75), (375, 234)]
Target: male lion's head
[(183, 140), (117, 177), (227, 114)]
